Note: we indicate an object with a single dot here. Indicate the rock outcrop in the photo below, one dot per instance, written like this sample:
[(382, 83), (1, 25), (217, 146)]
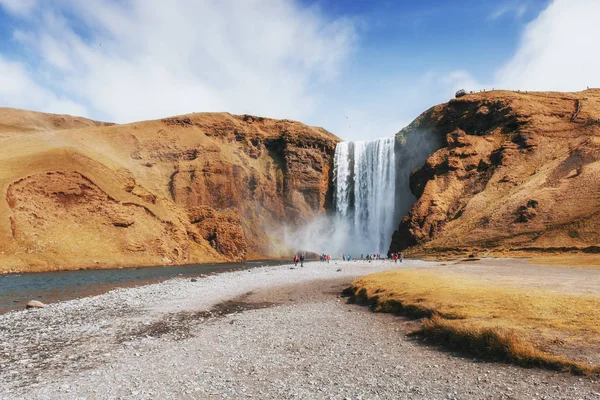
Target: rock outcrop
[(204, 187), (518, 171)]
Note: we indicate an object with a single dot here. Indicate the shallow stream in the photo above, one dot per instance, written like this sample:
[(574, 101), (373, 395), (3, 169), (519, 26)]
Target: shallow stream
[(50, 287)]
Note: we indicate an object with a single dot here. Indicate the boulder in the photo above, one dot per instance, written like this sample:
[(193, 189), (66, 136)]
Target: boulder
[(35, 304)]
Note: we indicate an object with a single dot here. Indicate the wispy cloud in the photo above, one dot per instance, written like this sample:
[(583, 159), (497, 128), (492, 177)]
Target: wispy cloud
[(18, 7), (515, 8), (141, 59), (18, 89)]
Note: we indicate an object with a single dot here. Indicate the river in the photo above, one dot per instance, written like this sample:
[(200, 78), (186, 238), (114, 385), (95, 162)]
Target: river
[(50, 287)]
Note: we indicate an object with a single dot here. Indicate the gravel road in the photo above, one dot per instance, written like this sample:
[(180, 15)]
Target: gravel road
[(267, 333)]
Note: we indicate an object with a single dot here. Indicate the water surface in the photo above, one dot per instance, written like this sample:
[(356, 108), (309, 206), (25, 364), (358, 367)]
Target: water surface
[(50, 287)]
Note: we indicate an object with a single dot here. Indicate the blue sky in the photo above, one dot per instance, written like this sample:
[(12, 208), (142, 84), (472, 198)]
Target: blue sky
[(361, 69)]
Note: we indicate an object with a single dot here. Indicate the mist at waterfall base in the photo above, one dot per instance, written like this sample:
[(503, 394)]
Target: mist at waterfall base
[(371, 195)]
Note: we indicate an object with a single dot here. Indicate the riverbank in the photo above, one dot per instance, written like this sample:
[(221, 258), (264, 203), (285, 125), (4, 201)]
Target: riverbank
[(271, 332), (9, 265)]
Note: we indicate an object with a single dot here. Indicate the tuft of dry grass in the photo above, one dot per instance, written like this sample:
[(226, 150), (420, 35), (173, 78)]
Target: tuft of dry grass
[(491, 322), (496, 344)]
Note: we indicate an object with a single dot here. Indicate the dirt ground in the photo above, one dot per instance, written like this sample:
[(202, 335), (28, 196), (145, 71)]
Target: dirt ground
[(529, 273)]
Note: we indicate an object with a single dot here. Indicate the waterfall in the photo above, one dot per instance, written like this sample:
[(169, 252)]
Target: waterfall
[(365, 185)]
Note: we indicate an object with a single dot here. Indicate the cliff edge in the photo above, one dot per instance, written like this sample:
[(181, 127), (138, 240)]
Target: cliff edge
[(517, 172)]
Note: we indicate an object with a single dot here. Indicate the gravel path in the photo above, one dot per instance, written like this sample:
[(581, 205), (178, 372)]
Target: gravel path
[(268, 333)]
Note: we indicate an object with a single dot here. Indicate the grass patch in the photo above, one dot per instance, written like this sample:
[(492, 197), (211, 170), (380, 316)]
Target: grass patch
[(490, 322)]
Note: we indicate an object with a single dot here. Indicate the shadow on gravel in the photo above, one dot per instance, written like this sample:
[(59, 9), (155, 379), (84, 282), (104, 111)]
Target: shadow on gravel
[(37, 357), (179, 325), (476, 344)]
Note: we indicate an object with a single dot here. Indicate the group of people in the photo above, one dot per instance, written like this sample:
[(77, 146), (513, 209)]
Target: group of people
[(370, 257), (325, 258), (299, 258), (348, 257), (398, 256), (391, 256)]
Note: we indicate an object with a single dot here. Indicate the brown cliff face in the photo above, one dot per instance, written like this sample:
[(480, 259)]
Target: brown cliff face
[(519, 171), (197, 188)]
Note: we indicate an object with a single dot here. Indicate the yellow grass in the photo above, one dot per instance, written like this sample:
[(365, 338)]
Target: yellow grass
[(501, 323)]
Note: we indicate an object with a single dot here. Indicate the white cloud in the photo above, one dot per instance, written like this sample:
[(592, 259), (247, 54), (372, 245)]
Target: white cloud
[(20, 91), (18, 7), (460, 79), (135, 59), (143, 59), (558, 50)]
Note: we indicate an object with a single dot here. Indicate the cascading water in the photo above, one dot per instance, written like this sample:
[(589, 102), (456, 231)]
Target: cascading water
[(371, 195), (365, 185)]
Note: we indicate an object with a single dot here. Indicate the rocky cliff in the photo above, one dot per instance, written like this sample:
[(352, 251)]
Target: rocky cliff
[(517, 171), (195, 188)]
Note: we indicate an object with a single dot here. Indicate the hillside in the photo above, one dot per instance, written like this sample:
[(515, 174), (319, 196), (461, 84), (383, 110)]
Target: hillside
[(195, 188), (517, 172), (16, 121)]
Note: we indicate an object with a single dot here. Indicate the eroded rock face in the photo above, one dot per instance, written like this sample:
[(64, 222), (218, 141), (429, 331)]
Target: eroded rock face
[(197, 188), (517, 172), (222, 229), (269, 173)]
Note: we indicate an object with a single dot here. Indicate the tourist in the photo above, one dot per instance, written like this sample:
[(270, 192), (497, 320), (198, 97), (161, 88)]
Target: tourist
[(296, 260), (401, 257), (302, 260), (395, 256)]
